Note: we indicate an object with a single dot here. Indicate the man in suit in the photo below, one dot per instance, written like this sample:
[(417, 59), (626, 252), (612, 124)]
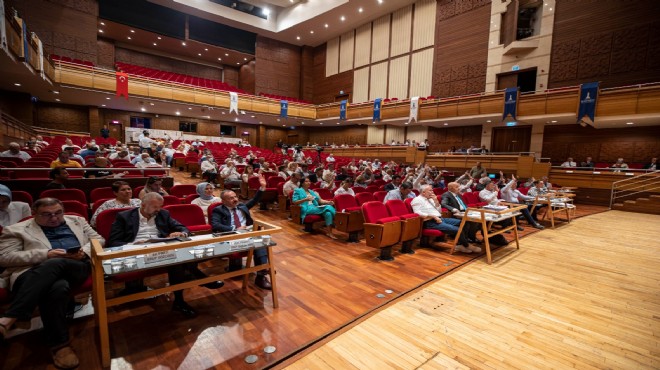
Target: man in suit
[(231, 216), (150, 221), (454, 203), (44, 259)]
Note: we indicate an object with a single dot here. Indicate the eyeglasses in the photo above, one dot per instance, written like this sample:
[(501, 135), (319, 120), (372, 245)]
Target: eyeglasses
[(49, 214)]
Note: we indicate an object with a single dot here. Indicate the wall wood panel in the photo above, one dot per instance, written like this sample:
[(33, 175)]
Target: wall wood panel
[(417, 133), (376, 134), (614, 42), (363, 45), (347, 51), (398, 78), (396, 133), (327, 88), (401, 31), (349, 135), (442, 139), (378, 81), (424, 24), (461, 47), (361, 85), (277, 69), (635, 144), (380, 39), (247, 77), (62, 117), (420, 70), (332, 57), (307, 74)]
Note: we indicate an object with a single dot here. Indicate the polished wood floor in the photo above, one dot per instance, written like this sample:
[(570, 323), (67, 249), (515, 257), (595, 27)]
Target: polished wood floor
[(584, 296), (325, 286)]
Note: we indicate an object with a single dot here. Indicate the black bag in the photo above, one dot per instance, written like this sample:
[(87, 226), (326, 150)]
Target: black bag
[(498, 240)]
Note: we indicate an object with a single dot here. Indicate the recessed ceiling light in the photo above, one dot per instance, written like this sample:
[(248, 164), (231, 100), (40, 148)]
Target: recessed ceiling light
[(406, 123), (265, 11), (278, 120), (302, 123), (260, 122), (326, 25), (103, 105), (57, 99), (143, 109), (630, 123), (223, 112), (155, 44), (206, 49), (102, 24), (183, 44), (219, 58), (283, 125), (129, 37), (320, 123), (160, 38), (553, 121), (342, 18), (297, 37), (132, 31), (189, 108), (100, 31), (380, 1), (226, 54), (252, 116), (244, 58), (17, 84), (446, 124), (178, 113), (199, 54), (488, 121), (55, 92), (152, 104), (338, 122), (312, 32), (107, 98), (236, 119), (360, 10)]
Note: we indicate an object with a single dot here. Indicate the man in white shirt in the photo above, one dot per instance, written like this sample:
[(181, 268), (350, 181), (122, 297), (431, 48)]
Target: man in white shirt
[(145, 143), (428, 206), (512, 195), (291, 185), (376, 165), (15, 152), (569, 163), (330, 158), (231, 177), (11, 212)]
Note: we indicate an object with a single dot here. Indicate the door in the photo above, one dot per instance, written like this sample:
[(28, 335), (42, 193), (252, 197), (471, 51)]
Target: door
[(511, 139)]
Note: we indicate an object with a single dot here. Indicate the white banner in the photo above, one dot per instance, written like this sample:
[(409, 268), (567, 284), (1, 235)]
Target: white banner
[(233, 102), (41, 56), (414, 105), (3, 31)]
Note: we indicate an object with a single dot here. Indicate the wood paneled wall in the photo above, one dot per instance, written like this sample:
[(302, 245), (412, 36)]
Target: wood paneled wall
[(168, 64), (17, 105), (442, 139), (634, 144), (615, 42), (66, 28), (338, 135), (326, 88), (62, 117), (231, 75), (105, 53), (461, 47), (278, 68), (307, 74), (246, 77)]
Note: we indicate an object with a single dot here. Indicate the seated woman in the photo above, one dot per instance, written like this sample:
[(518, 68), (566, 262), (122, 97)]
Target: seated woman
[(345, 187), (154, 184), (245, 178), (123, 194), (311, 204), (206, 197)]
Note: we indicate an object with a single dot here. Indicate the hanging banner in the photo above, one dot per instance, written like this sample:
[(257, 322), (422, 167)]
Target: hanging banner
[(233, 102), (3, 31), (414, 106), (122, 84), (588, 97), (284, 108), (342, 109), (40, 47), (377, 104), (510, 102), (26, 42)]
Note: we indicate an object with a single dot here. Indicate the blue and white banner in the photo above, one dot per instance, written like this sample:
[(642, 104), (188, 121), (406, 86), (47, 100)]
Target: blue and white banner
[(510, 102), (3, 31), (342, 109), (233, 102), (284, 108), (414, 108), (588, 98), (377, 104), (26, 43)]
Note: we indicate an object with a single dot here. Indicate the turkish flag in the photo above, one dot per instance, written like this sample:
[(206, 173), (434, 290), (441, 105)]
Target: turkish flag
[(122, 84)]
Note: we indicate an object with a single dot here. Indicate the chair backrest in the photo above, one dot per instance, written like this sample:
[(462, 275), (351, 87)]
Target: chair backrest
[(187, 214), (21, 196), (101, 193), (97, 203), (407, 201), (105, 219), (65, 194), (374, 211), (137, 190), (372, 188), (73, 206), (345, 201), (380, 195), (31, 174), (358, 189), (397, 207), (209, 211), (273, 181), (253, 183), (189, 199), (364, 197), (169, 200), (523, 190), (182, 191), (16, 160), (325, 194)]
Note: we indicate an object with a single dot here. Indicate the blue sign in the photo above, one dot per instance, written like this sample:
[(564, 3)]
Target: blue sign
[(377, 104), (511, 123), (510, 102), (588, 97), (515, 68), (342, 109), (284, 108)]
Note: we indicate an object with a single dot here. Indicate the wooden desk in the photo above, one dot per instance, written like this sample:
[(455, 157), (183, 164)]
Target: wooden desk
[(101, 302), (556, 202), (485, 217)]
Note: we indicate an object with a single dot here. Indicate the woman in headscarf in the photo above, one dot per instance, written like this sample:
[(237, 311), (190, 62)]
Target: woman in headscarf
[(206, 197)]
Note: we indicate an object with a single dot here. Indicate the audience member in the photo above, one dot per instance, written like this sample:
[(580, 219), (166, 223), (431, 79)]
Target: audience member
[(209, 169), (453, 202), (11, 211), (311, 204), (619, 165), (394, 184), (345, 187), (64, 161), (15, 152), (588, 163), (569, 163), (123, 199), (477, 171), (58, 175), (206, 198), (154, 185), (100, 169), (69, 144), (510, 194), (653, 165), (401, 193), (292, 184), (230, 176), (45, 258)]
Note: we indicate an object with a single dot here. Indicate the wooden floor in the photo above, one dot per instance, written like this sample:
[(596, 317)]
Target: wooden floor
[(324, 285), (585, 296)]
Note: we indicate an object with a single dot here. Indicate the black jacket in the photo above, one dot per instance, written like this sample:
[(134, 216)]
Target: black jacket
[(221, 216), (126, 225), (449, 201)]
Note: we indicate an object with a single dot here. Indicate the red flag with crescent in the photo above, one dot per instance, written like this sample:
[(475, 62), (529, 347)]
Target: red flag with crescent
[(122, 84)]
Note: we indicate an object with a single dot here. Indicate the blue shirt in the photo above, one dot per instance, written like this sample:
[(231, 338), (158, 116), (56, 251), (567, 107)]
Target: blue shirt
[(61, 237)]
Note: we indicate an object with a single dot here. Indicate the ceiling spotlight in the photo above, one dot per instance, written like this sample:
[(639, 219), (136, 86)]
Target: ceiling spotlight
[(283, 125), (360, 10), (380, 1), (155, 44), (189, 108), (206, 49), (278, 120), (446, 124), (312, 32), (152, 104), (265, 11), (102, 24), (100, 31), (553, 121), (160, 38), (17, 84), (143, 109), (252, 116), (103, 105), (55, 92), (320, 123), (297, 37), (183, 44), (129, 37), (57, 99), (630, 123), (199, 54), (178, 113), (244, 58), (342, 18), (132, 31), (338, 122), (488, 121), (107, 98), (326, 25), (302, 123), (238, 63), (236, 119), (219, 58), (226, 54)]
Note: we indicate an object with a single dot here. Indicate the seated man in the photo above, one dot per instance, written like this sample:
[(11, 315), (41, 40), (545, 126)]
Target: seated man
[(569, 163), (150, 221), (11, 212), (512, 195), (231, 216), (452, 201), (396, 181), (489, 195), (401, 193), (64, 161), (588, 163), (59, 175), (15, 152), (45, 258), (428, 206)]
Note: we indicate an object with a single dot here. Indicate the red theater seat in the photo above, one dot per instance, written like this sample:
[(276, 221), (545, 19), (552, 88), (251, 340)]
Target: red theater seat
[(191, 216)]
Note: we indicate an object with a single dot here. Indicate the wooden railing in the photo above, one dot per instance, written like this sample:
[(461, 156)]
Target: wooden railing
[(12, 129), (635, 186), (383, 153)]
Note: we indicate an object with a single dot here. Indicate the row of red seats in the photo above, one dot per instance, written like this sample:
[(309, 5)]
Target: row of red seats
[(85, 63)]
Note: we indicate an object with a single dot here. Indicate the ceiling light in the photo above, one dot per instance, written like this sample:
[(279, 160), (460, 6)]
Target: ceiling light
[(342, 18), (360, 10), (312, 32), (178, 113), (152, 104), (223, 112), (189, 108), (55, 92), (283, 125), (226, 54), (129, 37), (102, 24), (338, 122), (103, 105), (160, 38), (244, 58), (236, 119), (446, 124), (320, 123), (100, 31), (488, 121), (297, 37), (17, 84), (155, 44), (57, 99), (183, 44), (260, 122), (132, 31), (199, 54), (630, 123), (143, 109), (302, 123), (553, 121), (107, 98), (265, 11), (252, 116), (219, 58), (206, 49), (380, 1), (326, 25)]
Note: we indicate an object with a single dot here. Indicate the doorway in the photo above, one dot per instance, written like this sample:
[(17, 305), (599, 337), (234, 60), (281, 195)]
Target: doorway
[(511, 139), (525, 79)]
